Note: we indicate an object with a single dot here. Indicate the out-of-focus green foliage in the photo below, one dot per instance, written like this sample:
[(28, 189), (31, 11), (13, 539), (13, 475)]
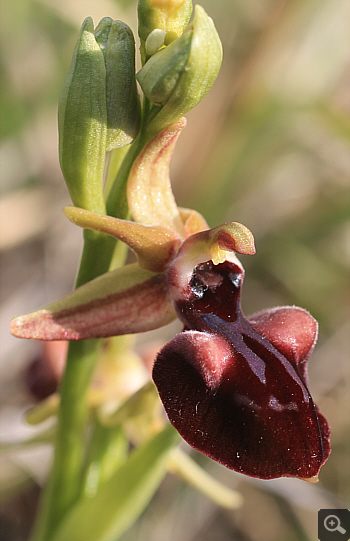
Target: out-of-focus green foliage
[(121, 499), (35, 44)]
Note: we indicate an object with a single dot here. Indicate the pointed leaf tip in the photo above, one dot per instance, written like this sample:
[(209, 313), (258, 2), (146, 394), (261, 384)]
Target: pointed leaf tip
[(150, 197)]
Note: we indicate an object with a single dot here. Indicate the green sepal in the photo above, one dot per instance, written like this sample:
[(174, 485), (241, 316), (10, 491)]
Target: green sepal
[(177, 77), (82, 122), (160, 75), (124, 496), (122, 99)]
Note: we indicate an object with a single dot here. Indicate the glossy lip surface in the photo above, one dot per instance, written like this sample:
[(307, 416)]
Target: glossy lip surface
[(230, 392)]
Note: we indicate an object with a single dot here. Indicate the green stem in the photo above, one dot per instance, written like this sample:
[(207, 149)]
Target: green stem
[(117, 204), (96, 257), (65, 482), (115, 159)]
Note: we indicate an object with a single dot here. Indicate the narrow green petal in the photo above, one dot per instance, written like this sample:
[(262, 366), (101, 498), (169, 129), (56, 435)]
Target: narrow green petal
[(124, 496), (125, 301), (193, 221), (155, 246)]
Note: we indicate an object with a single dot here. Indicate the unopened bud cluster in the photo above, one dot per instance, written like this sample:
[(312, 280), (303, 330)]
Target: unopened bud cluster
[(99, 109)]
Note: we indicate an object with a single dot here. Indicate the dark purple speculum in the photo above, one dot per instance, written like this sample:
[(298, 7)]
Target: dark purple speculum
[(236, 388)]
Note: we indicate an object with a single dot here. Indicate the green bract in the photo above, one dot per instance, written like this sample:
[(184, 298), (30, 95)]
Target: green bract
[(99, 108), (176, 78)]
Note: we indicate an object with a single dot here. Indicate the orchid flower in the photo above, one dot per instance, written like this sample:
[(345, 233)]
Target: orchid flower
[(234, 388)]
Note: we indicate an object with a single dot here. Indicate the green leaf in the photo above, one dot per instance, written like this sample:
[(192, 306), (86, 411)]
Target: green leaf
[(107, 451), (121, 499)]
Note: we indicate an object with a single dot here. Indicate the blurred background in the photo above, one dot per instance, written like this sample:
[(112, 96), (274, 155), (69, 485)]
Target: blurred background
[(268, 147)]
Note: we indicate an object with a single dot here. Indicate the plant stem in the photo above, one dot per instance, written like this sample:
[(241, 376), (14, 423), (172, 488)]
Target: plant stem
[(65, 482), (117, 204)]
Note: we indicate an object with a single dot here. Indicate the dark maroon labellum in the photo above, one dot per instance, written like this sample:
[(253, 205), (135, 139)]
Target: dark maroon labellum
[(236, 389)]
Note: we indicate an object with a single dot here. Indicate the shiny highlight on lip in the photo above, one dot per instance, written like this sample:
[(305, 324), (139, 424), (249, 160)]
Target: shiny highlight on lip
[(236, 388)]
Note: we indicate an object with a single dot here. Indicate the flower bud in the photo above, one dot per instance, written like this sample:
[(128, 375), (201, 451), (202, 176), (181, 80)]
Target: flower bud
[(123, 103), (169, 16), (177, 77), (160, 75), (99, 108), (82, 122)]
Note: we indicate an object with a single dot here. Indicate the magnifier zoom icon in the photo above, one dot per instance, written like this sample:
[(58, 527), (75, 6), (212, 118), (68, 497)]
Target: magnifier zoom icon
[(332, 524)]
